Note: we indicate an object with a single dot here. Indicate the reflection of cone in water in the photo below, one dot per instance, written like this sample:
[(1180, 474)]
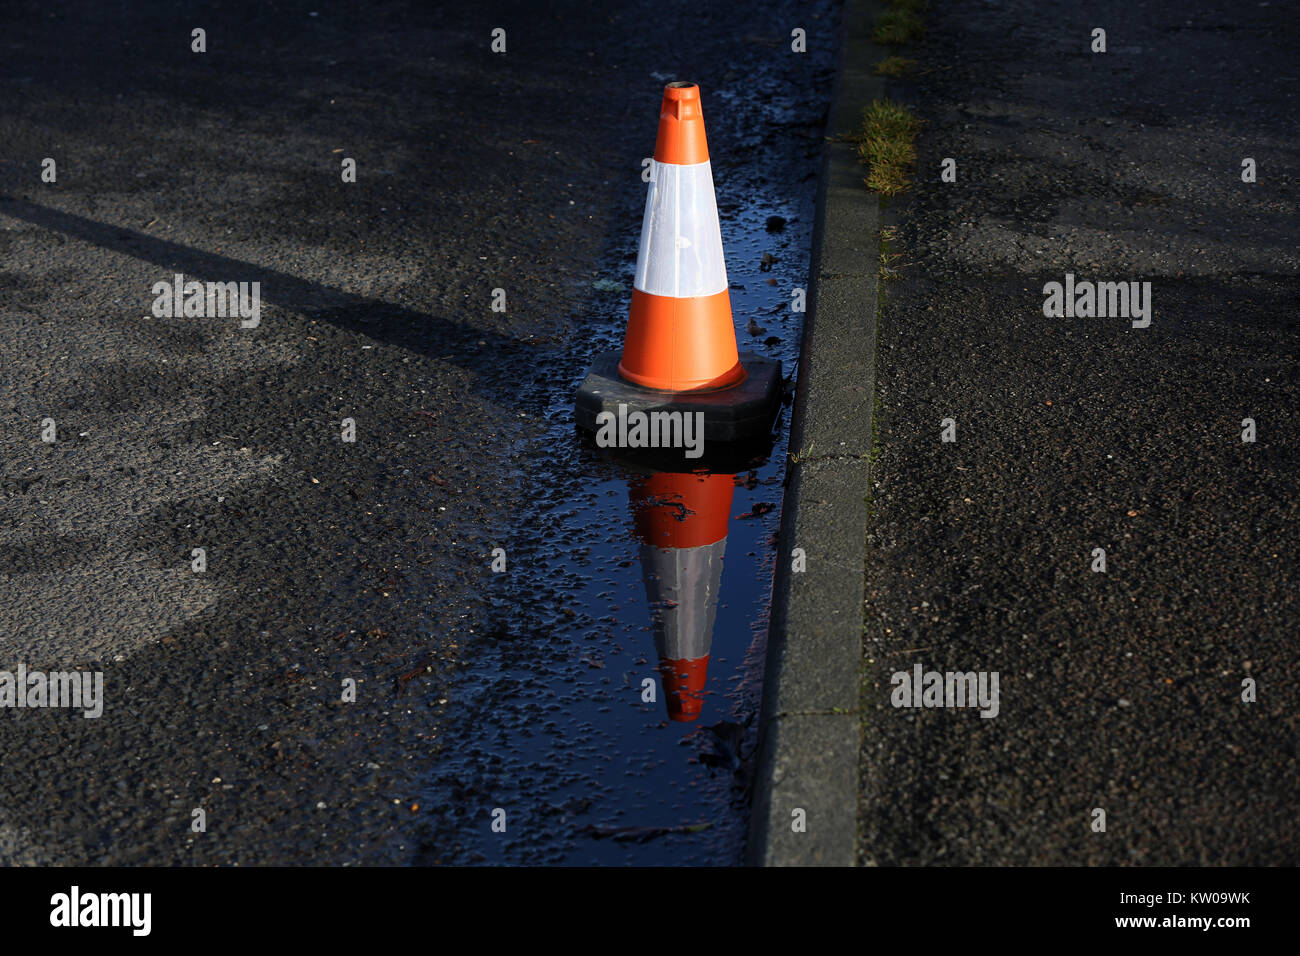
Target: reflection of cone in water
[(681, 522), (679, 353)]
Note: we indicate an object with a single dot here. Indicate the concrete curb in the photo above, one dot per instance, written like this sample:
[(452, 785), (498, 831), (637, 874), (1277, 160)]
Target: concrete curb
[(809, 731)]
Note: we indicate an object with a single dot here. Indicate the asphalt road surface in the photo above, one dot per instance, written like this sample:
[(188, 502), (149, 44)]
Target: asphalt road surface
[(1119, 691), (326, 560), (520, 171)]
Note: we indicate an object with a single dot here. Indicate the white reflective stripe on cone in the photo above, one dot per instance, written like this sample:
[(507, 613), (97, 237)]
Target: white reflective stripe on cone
[(682, 585), (681, 244)]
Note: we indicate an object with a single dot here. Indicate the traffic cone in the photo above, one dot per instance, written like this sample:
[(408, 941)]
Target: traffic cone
[(679, 331), (681, 522), (679, 352)]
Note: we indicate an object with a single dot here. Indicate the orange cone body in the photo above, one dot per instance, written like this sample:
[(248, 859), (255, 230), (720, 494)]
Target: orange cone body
[(680, 336)]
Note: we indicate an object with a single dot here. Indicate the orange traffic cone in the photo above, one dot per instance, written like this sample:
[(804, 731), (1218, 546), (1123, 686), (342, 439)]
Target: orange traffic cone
[(681, 522), (679, 331), (679, 353)]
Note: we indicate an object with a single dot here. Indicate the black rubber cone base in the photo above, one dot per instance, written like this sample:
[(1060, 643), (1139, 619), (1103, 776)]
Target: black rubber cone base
[(743, 411)]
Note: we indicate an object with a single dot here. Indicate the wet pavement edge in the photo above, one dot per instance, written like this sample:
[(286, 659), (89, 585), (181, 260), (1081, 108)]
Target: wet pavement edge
[(810, 729)]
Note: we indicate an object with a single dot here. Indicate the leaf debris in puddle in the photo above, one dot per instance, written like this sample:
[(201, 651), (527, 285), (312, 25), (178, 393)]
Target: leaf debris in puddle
[(640, 834)]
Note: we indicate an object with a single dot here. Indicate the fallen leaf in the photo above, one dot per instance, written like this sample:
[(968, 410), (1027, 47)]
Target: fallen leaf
[(641, 834)]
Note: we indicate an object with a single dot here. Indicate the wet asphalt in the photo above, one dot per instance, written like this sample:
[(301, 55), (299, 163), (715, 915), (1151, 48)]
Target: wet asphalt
[(367, 561), (1121, 690)]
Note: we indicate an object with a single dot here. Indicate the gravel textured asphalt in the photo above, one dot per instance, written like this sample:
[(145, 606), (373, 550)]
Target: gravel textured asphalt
[(1119, 690), (475, 171), (478, 171)]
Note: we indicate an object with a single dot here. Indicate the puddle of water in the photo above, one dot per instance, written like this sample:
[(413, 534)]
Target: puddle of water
[(574, 743), (619, 576)]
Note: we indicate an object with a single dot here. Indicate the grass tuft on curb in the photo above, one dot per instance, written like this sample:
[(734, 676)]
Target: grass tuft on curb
[(900, 23), (888, 255), (887, 144)]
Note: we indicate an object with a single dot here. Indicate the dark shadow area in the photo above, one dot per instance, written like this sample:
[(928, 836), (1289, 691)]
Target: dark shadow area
[(427, 335)]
